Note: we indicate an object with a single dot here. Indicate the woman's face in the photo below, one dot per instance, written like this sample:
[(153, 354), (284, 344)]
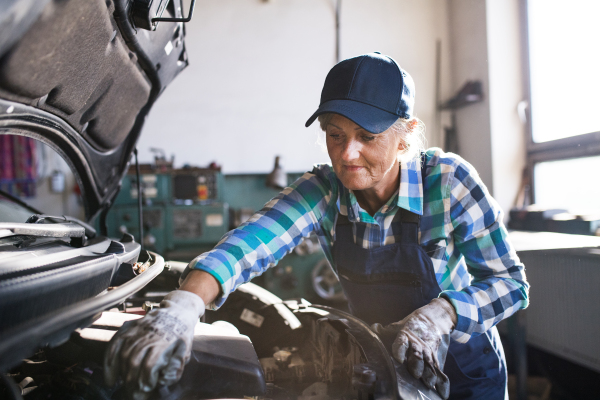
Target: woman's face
[(362, 160)]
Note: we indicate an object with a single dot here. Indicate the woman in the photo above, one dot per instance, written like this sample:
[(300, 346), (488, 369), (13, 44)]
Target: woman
[(415, 238)]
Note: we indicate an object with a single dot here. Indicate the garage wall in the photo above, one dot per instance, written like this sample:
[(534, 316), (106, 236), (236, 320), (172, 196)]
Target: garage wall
[(469, 49), (507, 90), (486, 45), (257, 68), (47, 201)]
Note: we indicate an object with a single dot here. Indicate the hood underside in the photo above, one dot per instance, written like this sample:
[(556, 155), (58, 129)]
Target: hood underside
[(78, 75)]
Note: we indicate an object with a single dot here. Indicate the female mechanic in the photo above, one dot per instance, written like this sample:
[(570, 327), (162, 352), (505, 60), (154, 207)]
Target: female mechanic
[(414, 236)]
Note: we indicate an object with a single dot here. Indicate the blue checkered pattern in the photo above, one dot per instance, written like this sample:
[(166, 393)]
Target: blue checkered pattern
[(461, 230)]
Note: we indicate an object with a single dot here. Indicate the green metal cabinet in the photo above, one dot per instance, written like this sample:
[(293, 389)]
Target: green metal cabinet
[(169, 223), (199, 224), (168, 227), (182, 230), (124, 218), (156, 188)]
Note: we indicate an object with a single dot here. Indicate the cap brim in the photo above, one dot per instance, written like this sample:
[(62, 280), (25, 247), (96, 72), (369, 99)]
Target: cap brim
[(372, 119)]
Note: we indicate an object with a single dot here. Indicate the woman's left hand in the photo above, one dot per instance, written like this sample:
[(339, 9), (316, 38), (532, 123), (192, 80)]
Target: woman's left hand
[(422, 340)]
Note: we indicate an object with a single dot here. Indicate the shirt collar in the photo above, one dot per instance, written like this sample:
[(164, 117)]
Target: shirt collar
[(410, 194)]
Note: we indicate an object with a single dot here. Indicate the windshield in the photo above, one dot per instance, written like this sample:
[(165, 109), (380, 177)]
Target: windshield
[(12, 212), (35, 174)]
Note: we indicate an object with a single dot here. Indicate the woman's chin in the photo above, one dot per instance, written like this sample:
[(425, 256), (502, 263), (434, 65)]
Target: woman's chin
[(354, 184), (353, 180)]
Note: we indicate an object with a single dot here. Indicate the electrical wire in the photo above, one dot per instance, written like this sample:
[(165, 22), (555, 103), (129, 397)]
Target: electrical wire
[(139, 190)]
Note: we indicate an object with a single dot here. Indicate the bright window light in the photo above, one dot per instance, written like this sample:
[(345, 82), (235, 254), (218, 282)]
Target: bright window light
[(573, 185), (564, 51)]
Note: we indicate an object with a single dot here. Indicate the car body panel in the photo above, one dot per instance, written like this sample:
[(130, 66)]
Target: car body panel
[(78, 76), (87, 93), (51, 329)]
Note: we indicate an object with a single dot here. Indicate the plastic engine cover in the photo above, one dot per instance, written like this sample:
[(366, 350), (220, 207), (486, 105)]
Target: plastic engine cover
[(223, 364)]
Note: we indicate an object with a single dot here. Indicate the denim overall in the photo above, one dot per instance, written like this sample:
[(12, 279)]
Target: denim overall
[(387, 283)]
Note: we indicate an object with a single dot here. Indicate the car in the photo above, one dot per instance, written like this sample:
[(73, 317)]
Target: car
[(81, 77)]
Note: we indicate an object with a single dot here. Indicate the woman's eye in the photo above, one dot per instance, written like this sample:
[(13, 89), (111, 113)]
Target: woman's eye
[(368, 138)]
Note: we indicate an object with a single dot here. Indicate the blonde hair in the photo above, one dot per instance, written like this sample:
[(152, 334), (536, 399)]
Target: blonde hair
[(413, 139)]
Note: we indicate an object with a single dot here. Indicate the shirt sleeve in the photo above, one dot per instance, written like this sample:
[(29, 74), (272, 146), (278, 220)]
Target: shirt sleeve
[(498, 285), (270, 234)]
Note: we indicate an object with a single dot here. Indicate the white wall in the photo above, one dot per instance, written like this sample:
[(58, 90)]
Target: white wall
[(257, 68), (469, 61), (486, 45), (508, 132)]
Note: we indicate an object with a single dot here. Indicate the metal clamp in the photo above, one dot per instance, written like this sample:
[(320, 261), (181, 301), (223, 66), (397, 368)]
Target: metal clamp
[(146, 14), (186, 19), (65, 230)]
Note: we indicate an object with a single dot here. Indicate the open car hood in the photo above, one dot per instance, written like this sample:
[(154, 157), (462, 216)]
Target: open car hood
[(79, 76)]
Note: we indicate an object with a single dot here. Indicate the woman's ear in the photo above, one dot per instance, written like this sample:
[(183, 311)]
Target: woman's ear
[(402, 146)]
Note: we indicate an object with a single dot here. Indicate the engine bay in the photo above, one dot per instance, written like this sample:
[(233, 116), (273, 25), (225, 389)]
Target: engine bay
[(255, 346)]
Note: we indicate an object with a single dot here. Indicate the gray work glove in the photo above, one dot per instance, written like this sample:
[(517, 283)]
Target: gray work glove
[(153, 350), (422, 340)]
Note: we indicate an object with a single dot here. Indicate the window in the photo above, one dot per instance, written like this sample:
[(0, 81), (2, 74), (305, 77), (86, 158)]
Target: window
[(571, 183), (564, 60)]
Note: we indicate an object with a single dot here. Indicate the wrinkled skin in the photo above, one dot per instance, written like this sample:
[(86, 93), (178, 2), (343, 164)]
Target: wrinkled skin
[(421, 341), (153, 350), (365, 163)]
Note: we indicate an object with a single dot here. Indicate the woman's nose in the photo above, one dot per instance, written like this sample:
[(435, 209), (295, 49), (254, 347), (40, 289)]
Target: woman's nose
[(351, 150)]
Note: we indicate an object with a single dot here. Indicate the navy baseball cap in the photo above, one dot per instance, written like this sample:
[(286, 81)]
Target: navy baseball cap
[(371, 90)]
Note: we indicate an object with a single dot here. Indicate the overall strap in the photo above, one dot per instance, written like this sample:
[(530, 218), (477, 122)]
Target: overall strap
[(343, 229), (342, 220), (409, 226)]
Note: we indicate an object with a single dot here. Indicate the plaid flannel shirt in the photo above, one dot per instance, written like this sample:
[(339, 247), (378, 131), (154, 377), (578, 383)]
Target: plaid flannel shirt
[(462, 231)]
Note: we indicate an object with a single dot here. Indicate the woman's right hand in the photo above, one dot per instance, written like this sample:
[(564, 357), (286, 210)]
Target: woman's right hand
[(153, 350)]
